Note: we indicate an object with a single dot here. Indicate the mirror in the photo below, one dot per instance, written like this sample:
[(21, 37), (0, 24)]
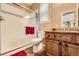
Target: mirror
[(68, 19)]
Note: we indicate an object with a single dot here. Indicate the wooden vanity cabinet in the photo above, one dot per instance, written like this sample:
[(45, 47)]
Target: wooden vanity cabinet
[(52, 47), (65, 44)]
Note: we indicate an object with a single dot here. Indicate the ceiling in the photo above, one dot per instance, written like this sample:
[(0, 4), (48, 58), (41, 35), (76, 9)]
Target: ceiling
[(56, 5), (29, 6), (26, 5)]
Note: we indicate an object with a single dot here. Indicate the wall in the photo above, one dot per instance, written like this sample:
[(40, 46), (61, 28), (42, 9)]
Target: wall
[(57, 10), (46, 25)]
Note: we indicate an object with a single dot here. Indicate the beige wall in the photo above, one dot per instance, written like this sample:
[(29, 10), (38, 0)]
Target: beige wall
[(58, 9), (55, 11), (47, 25)]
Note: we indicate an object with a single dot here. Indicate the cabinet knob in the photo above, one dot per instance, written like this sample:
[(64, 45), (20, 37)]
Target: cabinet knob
[(60, 43), (66, 45), (48, 35)]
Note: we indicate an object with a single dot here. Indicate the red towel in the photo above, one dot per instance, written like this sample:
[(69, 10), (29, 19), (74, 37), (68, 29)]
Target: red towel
[(32, 30), (21, 53), (28, 30)]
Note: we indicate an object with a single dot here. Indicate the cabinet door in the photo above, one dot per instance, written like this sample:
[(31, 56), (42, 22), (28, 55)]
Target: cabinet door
[(70, 50), (77, 38), (65, 49), (52, 47), (48, 47), (73, 50)]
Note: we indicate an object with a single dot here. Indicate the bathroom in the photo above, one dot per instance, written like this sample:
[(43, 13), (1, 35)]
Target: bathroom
[(39, 29)]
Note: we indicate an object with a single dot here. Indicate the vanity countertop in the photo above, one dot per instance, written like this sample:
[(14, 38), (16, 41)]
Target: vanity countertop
[(63, 31)]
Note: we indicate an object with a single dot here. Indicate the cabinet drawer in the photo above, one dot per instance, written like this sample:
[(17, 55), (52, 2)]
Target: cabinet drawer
[(77, 38), (67, 37), (58, 36), (64, 37), (49, 35)]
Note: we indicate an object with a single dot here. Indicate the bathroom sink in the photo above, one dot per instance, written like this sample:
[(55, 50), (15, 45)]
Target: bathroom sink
[(36, 40)]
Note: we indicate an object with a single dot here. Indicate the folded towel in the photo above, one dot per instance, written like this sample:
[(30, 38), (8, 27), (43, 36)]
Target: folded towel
[(28, 30), (32, 30)]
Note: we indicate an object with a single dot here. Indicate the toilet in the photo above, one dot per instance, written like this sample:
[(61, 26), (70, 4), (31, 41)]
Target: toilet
[(38, 47)]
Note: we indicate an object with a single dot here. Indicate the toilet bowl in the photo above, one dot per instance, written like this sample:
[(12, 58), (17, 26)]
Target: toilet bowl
[(37, 45)]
